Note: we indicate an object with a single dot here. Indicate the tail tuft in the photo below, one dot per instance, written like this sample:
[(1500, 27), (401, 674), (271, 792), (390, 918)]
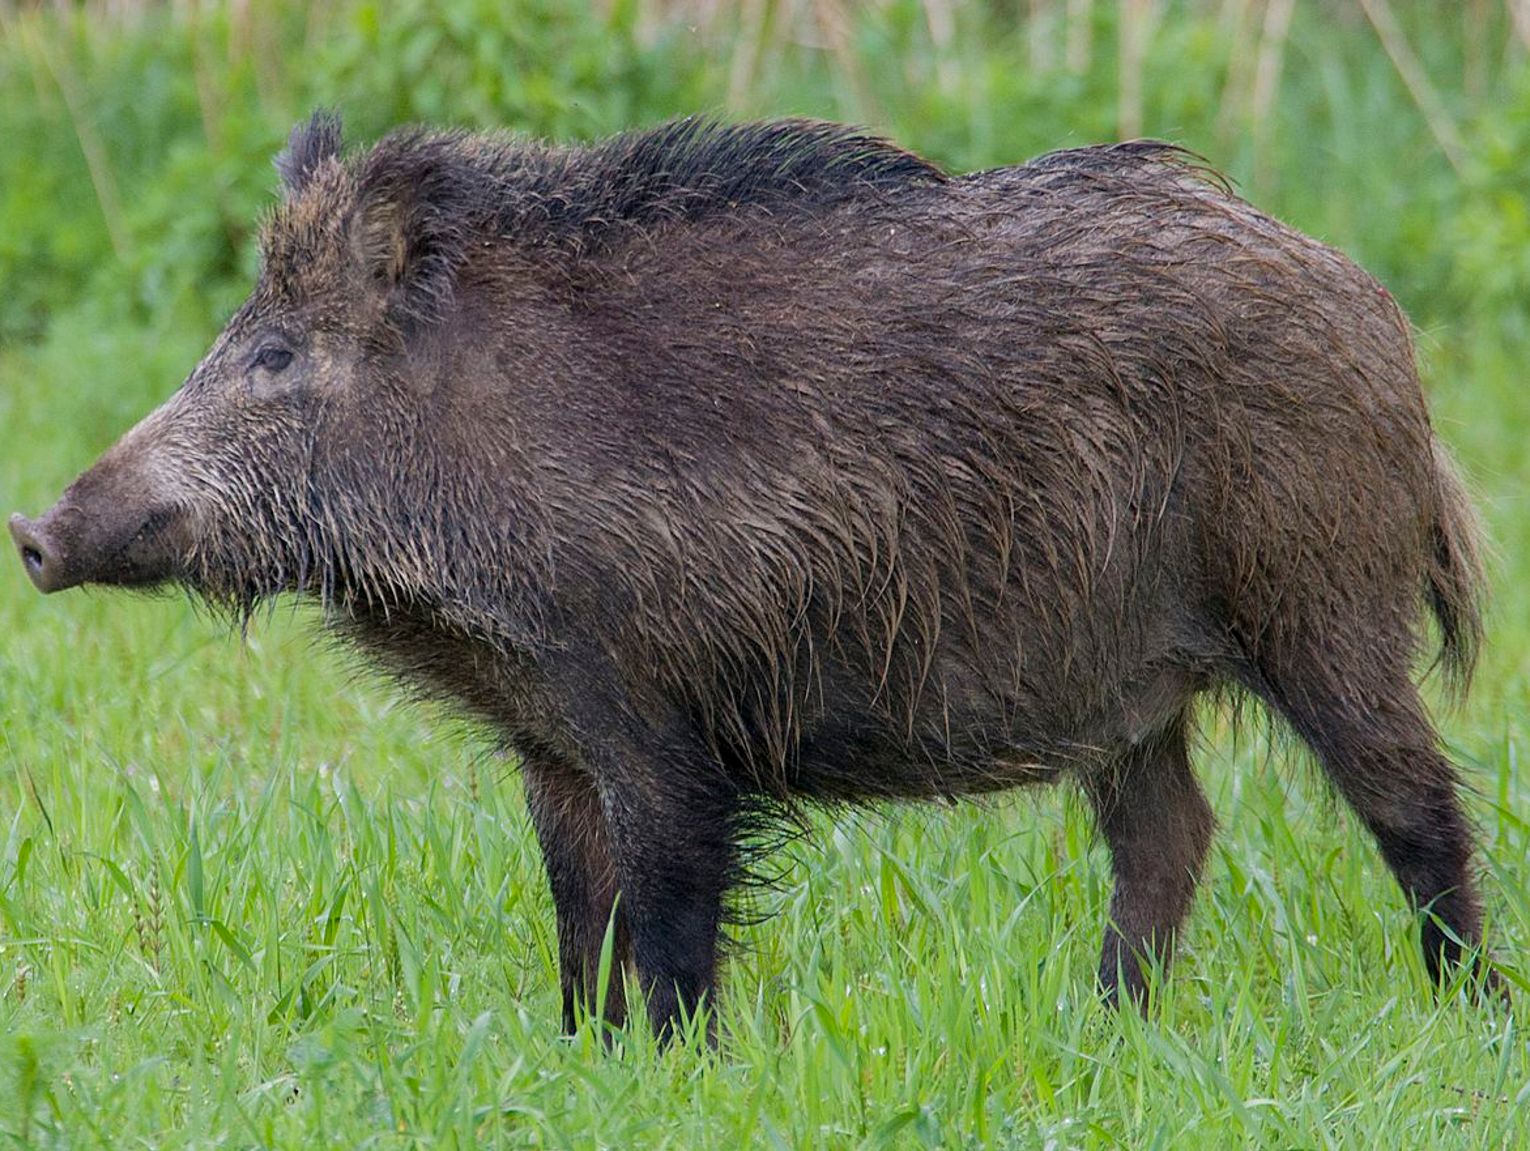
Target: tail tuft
[(1455, 575)]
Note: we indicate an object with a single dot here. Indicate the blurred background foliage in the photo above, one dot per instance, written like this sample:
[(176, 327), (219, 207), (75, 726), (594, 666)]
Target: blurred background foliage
[(135, 137)]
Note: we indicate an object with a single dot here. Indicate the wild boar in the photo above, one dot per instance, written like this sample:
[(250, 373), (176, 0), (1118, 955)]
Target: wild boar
[(721, 470)]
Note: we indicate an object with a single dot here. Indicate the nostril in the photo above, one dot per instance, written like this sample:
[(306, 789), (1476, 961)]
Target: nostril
[(38, 552)]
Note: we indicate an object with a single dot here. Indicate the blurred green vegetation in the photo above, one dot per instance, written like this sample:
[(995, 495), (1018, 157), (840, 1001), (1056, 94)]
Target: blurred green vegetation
[(135, 137)]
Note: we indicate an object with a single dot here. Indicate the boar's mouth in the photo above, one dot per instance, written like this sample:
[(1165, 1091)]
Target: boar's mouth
[(65, 547)]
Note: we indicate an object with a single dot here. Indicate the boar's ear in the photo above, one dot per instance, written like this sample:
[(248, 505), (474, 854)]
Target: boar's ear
[(408, 229), (309, 146)]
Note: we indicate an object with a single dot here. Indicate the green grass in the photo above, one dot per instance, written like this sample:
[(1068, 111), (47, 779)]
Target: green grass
[(249, 900)]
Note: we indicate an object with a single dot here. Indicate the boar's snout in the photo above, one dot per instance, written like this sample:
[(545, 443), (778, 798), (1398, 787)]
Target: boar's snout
[(124, 522), (97, 541), (41, 554)]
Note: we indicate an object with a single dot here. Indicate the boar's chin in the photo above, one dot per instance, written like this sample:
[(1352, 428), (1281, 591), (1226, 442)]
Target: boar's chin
[(235, 578)]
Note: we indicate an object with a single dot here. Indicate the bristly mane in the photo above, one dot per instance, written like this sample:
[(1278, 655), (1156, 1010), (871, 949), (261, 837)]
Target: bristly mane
[(693, 167), (419, 202), (684, 170)]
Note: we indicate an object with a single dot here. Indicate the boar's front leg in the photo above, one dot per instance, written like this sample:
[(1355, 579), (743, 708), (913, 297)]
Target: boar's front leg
[(672, 821), (576, 849), (673, 840)]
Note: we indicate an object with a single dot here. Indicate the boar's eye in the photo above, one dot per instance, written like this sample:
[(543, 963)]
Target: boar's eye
[(273, 358)]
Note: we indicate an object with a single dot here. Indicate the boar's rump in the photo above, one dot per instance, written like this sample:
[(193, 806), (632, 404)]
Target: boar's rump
[(719, 469)]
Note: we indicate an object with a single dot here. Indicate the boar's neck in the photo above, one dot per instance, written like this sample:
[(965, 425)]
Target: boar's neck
[(495, 679)]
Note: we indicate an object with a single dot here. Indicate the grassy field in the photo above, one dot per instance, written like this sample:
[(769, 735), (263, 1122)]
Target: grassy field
[(247, 899)]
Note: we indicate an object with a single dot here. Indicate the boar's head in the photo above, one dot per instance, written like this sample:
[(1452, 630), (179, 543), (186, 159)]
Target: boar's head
[(300, 454)]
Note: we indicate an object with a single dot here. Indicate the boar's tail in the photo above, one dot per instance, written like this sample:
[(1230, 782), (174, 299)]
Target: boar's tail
[(1455, 575)]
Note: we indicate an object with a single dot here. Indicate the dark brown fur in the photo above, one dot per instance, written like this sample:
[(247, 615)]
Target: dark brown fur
[(720, 469)]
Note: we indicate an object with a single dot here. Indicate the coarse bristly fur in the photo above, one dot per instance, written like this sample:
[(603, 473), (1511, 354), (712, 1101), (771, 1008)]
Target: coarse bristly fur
[(722, 468)]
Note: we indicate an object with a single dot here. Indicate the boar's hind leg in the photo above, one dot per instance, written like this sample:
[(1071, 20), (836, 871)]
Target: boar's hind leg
[(1370, 731), (1157, 824), (571, 828)]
